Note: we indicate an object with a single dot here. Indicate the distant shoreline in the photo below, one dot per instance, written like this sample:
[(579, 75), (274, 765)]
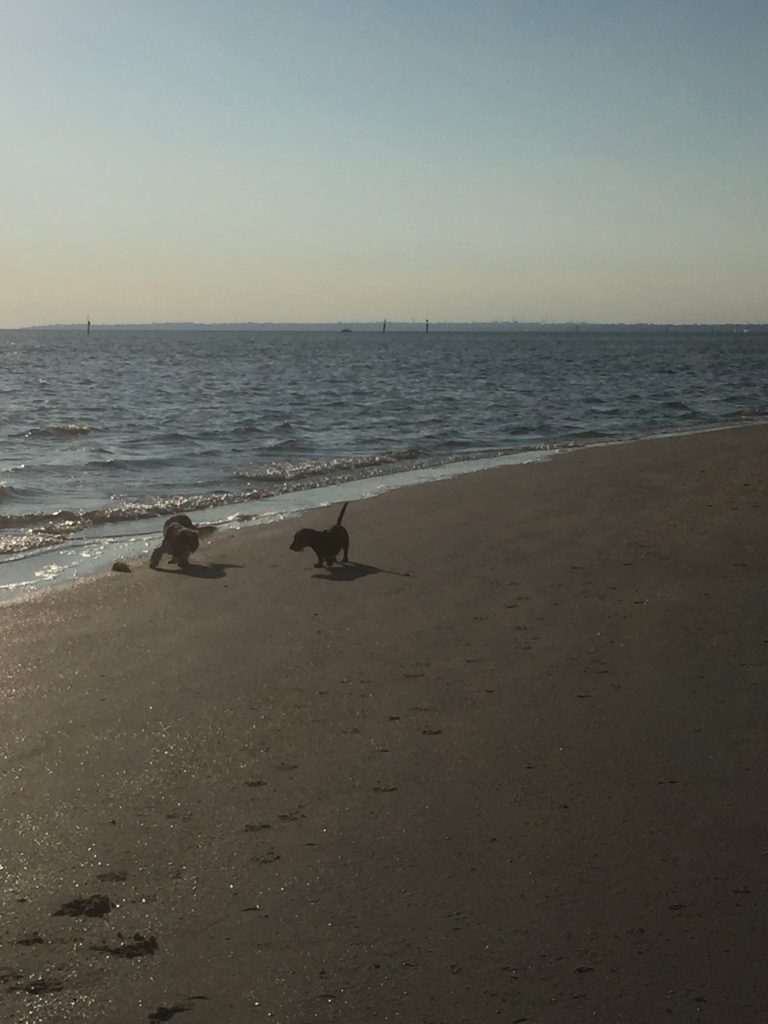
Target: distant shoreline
[(402, 326)]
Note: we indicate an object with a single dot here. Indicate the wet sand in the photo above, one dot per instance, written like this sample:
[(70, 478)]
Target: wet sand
[(509, 765)]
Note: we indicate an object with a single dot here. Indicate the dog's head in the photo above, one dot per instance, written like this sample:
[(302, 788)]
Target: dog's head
[(183, 541), (181, 519), (300, 540)]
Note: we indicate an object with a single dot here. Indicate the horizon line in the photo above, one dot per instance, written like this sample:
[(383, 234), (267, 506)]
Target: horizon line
[(416, 325)]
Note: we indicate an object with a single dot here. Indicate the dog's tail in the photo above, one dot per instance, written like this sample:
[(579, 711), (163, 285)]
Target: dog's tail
[(341, 514)]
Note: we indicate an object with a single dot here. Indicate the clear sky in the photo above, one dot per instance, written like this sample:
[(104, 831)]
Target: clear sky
[(337, 160)]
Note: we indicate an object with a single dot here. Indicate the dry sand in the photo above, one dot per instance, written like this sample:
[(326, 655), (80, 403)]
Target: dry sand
[(512, 767)]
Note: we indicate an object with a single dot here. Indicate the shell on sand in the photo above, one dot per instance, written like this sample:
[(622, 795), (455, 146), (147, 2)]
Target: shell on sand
[(120, 567)]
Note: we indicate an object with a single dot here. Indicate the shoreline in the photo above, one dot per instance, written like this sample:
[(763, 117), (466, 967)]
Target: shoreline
[(509, 763), (93, 550), (409, 327), (135, 545)]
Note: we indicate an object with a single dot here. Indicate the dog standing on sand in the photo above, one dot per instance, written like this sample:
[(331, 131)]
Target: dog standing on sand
[(325, 543), (180, 540)]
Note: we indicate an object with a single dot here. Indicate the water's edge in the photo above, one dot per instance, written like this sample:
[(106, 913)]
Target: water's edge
[(93, 551)]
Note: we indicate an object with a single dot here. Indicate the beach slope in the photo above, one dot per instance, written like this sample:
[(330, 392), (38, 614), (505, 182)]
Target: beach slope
[(509, 764)]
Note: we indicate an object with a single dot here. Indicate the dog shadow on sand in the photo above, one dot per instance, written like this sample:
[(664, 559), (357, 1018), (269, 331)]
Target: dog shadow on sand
[(202, 571), (348, 572)]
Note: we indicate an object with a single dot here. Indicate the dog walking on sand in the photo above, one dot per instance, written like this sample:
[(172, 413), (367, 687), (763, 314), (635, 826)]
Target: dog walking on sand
[(325, 543)]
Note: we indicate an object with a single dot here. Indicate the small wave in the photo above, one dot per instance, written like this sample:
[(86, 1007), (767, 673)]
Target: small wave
[(8, 493), (60, 430), (248, 427), (16, 544), (690, 414), (589, 435), (115, 463), (296, 445), (678, 406), (276, 472), (174, 435), (42, 520), (145, 510), (65, 521), (24, 533), (753, 412), (521, 430)]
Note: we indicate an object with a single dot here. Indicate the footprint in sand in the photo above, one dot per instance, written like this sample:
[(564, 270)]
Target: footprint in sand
[(166, 1012), (87, 906), (296, 815), (38, 987), (140, 946), (267, 858)]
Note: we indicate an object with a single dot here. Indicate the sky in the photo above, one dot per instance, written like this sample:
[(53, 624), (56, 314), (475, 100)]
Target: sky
[(355, 160)]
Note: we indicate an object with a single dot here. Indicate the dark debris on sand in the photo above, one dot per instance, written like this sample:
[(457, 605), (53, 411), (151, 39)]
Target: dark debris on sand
[(86, 906), (140, 946)]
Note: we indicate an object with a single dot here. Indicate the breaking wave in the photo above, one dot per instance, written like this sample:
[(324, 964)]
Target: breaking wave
[(25, 532), (277, 472), (59, 430), (15, 544), (7, 493)]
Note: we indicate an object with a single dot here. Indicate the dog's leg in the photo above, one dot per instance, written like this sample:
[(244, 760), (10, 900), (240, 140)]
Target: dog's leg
[(156, 555)]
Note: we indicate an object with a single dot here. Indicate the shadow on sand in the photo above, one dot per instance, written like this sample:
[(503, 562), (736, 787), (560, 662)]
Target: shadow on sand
[(347, 572), (213, 571)]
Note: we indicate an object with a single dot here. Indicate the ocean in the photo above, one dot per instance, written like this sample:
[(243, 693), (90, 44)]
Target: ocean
[(105, 435)]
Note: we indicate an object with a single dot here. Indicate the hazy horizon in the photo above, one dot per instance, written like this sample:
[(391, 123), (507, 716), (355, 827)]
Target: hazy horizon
[(397, 326), (294, 162)]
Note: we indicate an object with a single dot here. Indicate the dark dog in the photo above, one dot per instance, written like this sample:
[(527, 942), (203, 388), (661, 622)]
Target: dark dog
[(325, 543), (180, 540)]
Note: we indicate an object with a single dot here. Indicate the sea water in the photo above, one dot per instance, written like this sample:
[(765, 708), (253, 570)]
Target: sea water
[(103, 435)]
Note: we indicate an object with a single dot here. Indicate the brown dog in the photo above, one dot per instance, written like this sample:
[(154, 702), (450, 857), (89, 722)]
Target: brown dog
[(325, 543), (180, 540)]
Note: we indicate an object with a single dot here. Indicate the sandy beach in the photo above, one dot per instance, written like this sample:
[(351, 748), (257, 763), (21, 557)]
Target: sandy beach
[(510, 764)]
